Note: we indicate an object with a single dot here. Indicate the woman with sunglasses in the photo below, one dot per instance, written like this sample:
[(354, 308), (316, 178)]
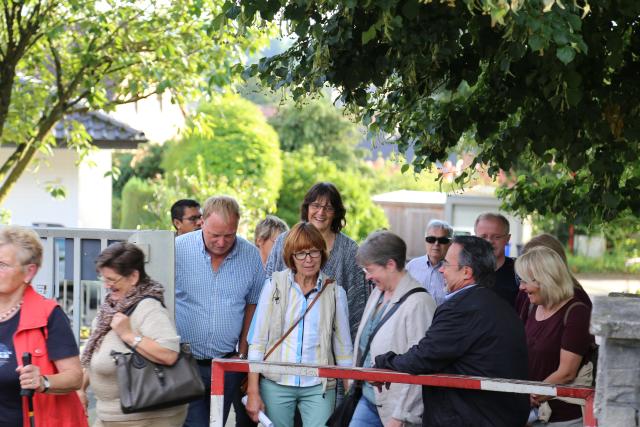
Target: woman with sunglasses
[(301, 317)]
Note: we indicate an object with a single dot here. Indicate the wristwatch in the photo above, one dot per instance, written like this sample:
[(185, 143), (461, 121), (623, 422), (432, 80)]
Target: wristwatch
[(242, 356), (45, 383), (136, 340)]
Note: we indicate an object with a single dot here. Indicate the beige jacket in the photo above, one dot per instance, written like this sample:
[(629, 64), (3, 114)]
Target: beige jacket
[(404, 329)]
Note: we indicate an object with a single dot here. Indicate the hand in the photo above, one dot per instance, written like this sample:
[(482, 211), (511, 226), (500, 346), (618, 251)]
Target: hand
[(30, 377), (378, 385), (254, 406), (82, 395), (121, 325), (394, 423), (536, 400)]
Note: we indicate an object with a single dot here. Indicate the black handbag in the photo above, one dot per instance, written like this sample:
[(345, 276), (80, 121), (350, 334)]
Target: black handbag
[(341, 416), (146, 386)]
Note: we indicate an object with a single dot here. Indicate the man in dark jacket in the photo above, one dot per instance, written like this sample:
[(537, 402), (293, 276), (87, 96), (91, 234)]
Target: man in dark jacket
[(474, 332)]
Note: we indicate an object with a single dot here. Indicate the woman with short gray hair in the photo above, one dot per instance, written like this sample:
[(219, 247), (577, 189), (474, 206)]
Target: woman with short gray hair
[(266, 233), (393, 320)]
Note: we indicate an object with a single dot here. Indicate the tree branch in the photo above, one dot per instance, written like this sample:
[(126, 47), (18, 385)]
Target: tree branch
[(58, 68)]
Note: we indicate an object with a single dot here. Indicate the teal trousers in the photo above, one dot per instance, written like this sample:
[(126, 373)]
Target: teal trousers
[(280, 402)]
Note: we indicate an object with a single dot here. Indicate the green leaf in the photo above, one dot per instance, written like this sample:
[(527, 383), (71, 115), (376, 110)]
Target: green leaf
[(566, 54), (369, 35), (536, 42)]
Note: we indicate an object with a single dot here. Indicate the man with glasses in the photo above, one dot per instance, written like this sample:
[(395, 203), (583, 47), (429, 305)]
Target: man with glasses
[(474, 332), (425, 269), (186, 216), (494, 228), (219, 276)]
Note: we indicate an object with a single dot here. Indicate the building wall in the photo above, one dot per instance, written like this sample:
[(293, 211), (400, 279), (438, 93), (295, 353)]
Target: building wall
[(87, 203)]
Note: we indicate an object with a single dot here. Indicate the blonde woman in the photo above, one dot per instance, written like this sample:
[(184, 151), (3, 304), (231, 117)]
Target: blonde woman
[(557, 329)]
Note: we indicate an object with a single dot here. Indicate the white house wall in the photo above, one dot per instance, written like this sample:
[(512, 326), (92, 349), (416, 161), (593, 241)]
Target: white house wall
[(94, 191), (29, 202)]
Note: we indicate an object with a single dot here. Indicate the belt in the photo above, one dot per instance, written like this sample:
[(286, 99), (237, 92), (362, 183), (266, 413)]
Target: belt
[(207, 362)]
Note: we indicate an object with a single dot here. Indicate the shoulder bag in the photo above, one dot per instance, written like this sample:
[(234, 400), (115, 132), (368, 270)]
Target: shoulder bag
[(342, 415), (146, 386)]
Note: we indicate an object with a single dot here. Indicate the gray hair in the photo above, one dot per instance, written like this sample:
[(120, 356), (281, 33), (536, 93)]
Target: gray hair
[(268, 227), (25, 241), (380, 247), (440, 225), (477, 253), (492, 216)]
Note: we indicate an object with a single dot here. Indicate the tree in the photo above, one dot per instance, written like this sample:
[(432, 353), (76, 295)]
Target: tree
[(237, 143), (547, 83), (63, 56), (320, 124), (303, 168)]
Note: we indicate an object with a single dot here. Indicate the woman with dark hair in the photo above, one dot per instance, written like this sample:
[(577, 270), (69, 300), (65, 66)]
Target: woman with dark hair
[(301, 318), (322, 206), (147, 328)]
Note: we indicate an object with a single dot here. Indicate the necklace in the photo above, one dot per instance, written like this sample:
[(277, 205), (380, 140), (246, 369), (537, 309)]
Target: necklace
[(10, 312)]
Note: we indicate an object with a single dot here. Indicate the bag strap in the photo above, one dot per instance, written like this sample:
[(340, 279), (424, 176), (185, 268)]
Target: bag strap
[(286, 334), (386, 317), (566, 313), (132, 308)]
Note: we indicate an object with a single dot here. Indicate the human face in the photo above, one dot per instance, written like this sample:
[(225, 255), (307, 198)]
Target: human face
[(13, 275), (380, 275), (436, 251), (265, 245), (532, 288), (321, 214), (219, 234), (117, 284), (455, 276), (309, 266), (493, 231), (191, 220)]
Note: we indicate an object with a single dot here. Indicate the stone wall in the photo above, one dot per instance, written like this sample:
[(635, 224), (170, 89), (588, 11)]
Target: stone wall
[(616, 321)]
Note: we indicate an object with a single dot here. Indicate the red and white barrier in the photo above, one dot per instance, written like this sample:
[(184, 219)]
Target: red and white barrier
[(220, 366)]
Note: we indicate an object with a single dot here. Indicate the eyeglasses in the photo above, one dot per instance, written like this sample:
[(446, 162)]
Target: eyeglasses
[(318, 206), (441, 240), (4, 266), (194, 218), (493, 237), (446, 263), (301, 256), (110, 282)]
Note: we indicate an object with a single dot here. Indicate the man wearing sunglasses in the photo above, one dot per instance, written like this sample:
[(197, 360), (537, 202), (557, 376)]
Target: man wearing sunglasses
[(425, 269)]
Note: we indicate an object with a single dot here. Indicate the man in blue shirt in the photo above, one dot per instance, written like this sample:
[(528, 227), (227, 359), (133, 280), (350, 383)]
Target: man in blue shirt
[(426, 269), (219, 276)]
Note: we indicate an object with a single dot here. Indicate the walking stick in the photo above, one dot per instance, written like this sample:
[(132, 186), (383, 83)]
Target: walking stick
[(26, 360)]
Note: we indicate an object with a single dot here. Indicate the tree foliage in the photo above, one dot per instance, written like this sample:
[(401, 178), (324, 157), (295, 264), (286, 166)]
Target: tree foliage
[(237, 143), (304, 168), (544, 84), (320, 124), (63, 56)]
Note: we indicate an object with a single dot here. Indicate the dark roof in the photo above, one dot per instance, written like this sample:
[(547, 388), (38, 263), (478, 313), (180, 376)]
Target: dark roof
[(105, 131)]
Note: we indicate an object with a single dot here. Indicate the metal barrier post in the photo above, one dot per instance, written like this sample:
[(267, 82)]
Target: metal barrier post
[(216, 416), (589, 415)]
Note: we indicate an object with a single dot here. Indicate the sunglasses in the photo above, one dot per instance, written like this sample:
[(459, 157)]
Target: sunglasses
[(441, 240)]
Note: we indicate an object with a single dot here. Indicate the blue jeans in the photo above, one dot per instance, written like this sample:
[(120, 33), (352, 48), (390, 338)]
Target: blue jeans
[(199, 410), (365, 415)]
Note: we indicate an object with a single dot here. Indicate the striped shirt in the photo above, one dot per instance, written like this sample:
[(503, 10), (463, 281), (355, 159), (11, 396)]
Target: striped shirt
[(429, 277), (210, 304), (302, 345), (341, 266)]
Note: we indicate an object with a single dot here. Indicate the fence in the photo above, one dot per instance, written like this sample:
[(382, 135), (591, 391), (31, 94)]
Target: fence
[(220, 366)]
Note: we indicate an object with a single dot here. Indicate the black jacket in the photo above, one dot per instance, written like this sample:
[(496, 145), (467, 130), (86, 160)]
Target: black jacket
[(474, 333)]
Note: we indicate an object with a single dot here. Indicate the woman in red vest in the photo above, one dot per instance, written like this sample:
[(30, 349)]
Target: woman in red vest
[(31, 323)]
